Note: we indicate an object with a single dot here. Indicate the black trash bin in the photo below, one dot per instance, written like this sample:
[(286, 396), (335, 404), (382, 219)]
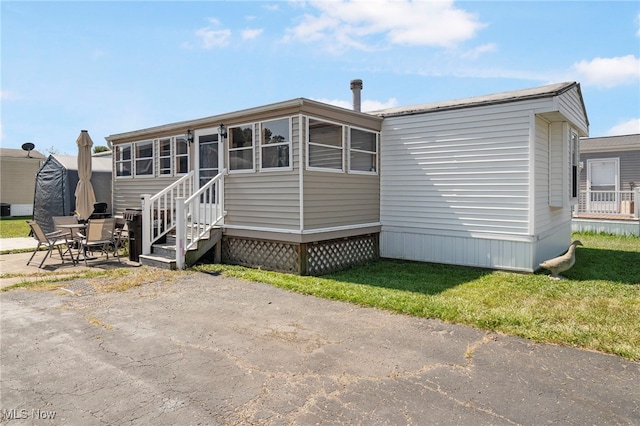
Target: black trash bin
[(5, 209), (134, 225)]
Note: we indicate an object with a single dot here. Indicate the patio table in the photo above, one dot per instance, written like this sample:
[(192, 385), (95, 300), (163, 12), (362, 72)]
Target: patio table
[(76, 239)]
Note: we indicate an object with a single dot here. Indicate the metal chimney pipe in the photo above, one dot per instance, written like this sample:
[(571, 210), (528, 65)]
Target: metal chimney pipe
[(356, 88)]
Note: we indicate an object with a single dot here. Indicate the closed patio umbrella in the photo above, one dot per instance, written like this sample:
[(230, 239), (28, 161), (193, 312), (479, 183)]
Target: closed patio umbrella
[(85, 198)]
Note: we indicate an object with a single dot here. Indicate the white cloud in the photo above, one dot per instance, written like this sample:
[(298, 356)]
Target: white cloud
[(250, 34), (609, 72), (368, 105), (403, 22), (629, 127), (365, 105), (211, 38), (480, 50)]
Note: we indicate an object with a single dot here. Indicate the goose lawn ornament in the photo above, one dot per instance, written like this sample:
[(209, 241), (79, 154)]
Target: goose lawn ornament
[(561, 263)]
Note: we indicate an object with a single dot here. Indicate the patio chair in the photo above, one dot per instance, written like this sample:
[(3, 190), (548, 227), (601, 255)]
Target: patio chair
[(66, 225), (63, 225), (51, 240), (100, 235)]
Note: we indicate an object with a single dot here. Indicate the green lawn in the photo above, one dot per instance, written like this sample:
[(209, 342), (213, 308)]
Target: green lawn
[(597, 307), (12, 227)]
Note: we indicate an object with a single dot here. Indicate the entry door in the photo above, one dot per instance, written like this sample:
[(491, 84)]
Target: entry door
[(208, 162), (603, 181), (208, 155)]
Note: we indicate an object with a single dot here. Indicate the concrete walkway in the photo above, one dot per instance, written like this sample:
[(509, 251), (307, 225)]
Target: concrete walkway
[(17, 243), (200, 349), (15, 270)]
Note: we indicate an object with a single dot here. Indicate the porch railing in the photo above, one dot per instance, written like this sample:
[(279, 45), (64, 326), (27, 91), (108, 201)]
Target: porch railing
[(609, 203), (197, 215), (191, 214), (159, 210)]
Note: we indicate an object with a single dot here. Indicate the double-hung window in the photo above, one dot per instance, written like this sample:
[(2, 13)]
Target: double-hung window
[(275, 144), (241, 148), (144, 158), (123, 160), (181, 155), (325, 145), (363, 151), (164, 156)]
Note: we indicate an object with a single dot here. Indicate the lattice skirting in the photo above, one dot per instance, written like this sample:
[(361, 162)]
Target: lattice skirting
[(317, 258)]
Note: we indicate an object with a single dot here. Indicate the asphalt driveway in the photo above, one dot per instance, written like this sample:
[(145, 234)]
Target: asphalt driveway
[(205, 350)]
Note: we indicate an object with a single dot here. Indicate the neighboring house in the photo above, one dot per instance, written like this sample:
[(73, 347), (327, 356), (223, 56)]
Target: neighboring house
[(610, 185), (305, 187), (18, 170)]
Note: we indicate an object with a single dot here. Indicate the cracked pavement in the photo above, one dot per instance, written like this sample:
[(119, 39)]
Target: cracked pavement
[(209, 350)]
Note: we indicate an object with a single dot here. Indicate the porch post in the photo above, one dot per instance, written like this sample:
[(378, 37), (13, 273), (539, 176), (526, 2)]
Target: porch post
[(146, 224), (636, 203), (180, 233)]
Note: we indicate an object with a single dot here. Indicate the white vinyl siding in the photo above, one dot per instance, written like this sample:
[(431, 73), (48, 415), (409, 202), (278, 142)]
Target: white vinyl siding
[(557, 157), (464, 170), (548, 183), (571, 108), (476, 185), (551, 222)]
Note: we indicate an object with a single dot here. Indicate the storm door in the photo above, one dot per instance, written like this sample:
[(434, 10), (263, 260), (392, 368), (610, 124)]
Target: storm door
[(603, 185), (208, 165)]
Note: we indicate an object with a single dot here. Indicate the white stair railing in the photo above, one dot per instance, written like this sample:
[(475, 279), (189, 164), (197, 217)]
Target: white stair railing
[(197, 215), (159, 210)]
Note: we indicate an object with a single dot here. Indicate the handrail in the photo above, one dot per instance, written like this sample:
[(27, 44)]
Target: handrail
[(198, 214), (158, 210), (618, 203)]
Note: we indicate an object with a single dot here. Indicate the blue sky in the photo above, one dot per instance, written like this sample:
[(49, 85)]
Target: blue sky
[(112, 67)]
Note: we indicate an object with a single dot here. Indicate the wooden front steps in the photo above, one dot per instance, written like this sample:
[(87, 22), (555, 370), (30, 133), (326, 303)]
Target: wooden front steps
[(164, 255)]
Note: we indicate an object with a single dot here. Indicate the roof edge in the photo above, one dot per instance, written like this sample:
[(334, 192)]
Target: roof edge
[(220, 118), (485, 100)]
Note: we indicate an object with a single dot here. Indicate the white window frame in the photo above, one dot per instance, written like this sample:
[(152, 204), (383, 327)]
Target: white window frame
[(152, 159), (176, 155), (287, 143), (252, 148), (374, 153), (118, 150), (161, 157), (310, 143)]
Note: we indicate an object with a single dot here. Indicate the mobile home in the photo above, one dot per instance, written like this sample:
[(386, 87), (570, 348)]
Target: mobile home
[(305, 187)]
